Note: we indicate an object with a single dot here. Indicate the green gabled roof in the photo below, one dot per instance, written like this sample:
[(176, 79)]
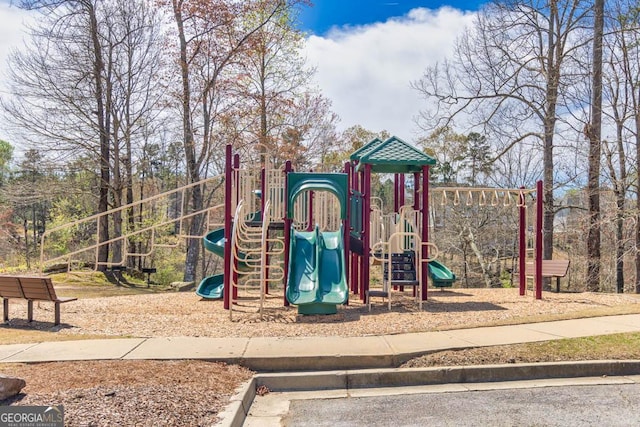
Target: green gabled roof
[(394, 156), (365, 149)]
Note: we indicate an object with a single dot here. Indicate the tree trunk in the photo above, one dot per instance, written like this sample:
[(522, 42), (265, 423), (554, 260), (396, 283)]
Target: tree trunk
[(594, 132), (193, 173), (103, 128), (554, 56), (490, 279)]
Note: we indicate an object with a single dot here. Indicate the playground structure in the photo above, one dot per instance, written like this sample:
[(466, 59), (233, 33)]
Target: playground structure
[(314, 237), (327, 247)]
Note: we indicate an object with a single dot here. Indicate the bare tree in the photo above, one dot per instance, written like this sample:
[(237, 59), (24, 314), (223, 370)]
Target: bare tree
[(593, 133), (628, 15), (76, 88), (59, 91), (135, 58), (618, 92), (505, 77), (210, 36)]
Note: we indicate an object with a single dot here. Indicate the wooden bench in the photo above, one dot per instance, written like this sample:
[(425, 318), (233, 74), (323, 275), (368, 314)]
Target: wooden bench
[(550, 268), (31, 288)]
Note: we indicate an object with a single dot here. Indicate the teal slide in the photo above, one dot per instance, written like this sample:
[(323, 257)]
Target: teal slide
[(440, 275), (211, 287), (317, 282)]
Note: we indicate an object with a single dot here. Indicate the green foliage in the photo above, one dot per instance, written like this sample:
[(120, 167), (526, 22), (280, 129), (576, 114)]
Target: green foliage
[(505, 279), (356, 136), (477, 159), (351, 140), (382, 187), (461, 159), (167, 274), (6, 155), (448, 148)]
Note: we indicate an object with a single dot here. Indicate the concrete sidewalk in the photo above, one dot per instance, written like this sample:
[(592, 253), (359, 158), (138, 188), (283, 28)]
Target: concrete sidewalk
[(315, 353)]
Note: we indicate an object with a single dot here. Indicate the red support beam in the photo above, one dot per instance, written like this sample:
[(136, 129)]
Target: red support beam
[(236, 174), (401, 192), (539, 212), (416, 191), (425, 229), (347, 226), (228, 218), (366, 235), (522, 243), (396, 199)]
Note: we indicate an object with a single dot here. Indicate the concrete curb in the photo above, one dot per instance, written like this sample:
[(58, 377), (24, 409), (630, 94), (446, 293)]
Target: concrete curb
[(396, 377), (236, 412), (319, 363)]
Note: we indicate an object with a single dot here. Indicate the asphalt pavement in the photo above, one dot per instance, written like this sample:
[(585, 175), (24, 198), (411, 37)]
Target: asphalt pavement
[(569, 405)]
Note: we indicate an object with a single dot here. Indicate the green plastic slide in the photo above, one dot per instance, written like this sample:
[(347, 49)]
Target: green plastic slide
[(440, 275), (317, 281), (211, 287)]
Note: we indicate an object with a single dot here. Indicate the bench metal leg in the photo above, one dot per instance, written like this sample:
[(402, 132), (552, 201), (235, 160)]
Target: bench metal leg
[(558, 284), (57, 318), (30, 311), (5, 304)]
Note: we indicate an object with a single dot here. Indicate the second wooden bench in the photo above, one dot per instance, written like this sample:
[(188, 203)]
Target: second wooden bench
[(550, 268)]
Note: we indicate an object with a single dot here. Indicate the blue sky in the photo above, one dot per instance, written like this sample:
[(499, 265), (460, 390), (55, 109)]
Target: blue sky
[(325, 14)]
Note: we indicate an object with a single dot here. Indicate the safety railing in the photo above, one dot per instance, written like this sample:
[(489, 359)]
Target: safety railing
[(160, 221)]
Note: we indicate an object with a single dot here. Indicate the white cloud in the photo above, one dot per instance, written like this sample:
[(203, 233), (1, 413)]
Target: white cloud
[(12, 29), (366, 70), (12, 34)]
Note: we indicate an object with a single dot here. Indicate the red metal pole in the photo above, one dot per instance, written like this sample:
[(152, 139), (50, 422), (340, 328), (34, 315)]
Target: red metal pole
[(287, 230), (356, 258), (227, 225), (416, 201), (366, 236), (401, 200), (539, 210), (347, 226), (236, 172), (401, 195), (425, 229), (396, 200), (416, 191), (522, 244)]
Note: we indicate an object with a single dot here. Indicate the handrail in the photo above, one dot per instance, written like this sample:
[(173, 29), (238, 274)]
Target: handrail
[(180, 218)]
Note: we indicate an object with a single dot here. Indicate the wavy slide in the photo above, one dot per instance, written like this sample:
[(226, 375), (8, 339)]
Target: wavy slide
[(317, 281), (211, 287), (440, 275)]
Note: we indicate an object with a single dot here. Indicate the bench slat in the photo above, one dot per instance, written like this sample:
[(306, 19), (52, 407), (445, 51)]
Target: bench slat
[(10, 287), (36, 288)]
